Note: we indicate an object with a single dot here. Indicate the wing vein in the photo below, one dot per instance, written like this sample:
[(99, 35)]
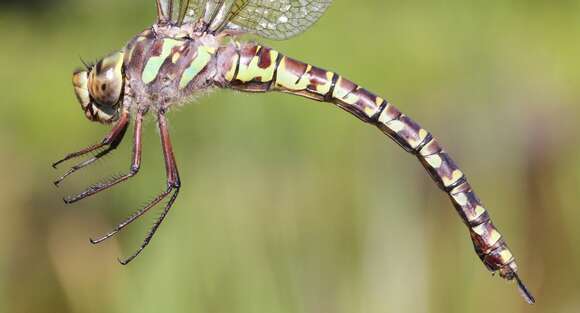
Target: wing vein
[(272, 19)]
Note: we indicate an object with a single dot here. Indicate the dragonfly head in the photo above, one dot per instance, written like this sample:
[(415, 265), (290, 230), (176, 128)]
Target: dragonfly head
[(99, 88)]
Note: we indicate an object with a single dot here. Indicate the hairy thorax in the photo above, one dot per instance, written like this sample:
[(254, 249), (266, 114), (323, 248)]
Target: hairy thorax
[(168, 65)]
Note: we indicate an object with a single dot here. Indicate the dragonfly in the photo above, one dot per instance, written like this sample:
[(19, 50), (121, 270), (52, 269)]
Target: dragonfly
[(194, 46)]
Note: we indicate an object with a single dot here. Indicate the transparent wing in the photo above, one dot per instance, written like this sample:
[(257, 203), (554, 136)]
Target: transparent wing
[(273, 19), (189, 11), (174, 10), (277, 19), (164, 10)]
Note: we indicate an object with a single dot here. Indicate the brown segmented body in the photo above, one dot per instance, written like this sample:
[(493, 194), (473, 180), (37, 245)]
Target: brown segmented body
[(290, 75), (184, 54)]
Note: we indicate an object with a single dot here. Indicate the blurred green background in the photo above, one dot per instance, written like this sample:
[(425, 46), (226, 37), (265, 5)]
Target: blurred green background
[(289, 205)]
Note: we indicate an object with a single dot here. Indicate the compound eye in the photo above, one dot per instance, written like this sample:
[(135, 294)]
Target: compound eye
[(106, 80)]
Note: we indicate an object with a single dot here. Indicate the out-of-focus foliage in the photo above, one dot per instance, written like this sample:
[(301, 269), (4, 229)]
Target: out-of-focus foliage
[(289, 205)]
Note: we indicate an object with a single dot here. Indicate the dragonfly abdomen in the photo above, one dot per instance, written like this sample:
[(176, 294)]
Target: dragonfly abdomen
[(255, 68)]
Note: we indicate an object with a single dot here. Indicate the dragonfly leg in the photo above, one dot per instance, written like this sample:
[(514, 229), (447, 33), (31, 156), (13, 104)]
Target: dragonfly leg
[(113, 139), (84, 163), (135, 165), (173, 185)]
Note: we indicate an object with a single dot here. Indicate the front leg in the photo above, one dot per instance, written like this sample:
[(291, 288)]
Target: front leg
[(111, 141), (135, 164)]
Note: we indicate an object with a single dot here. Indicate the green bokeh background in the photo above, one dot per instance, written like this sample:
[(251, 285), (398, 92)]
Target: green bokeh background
[(290, 205)]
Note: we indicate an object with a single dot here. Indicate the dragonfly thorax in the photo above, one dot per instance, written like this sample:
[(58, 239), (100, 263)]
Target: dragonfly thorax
[(163, 68), (99, 88)]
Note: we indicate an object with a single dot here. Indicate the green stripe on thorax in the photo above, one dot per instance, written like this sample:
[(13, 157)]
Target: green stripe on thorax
[(202, 57), (155, 62)]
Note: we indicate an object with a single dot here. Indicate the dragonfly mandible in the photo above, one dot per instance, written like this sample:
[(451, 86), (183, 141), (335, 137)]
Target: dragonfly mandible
[(193, 47)]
